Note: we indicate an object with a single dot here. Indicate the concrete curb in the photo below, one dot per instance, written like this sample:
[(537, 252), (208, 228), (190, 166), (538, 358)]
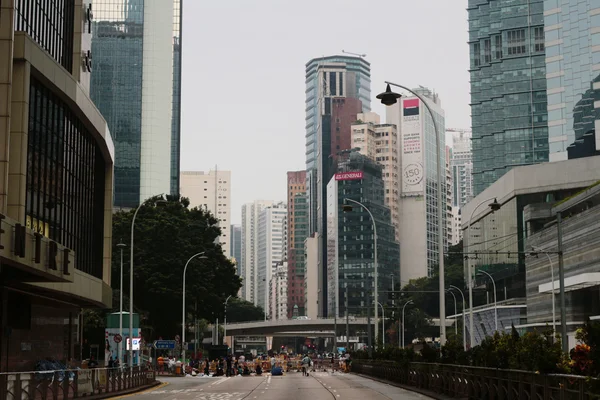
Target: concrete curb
[(427, 393), (126, 392)]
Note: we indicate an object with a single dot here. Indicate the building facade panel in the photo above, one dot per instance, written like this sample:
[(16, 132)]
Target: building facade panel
[(508, 87)]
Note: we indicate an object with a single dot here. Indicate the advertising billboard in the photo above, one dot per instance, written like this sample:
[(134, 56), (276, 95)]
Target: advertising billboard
[(413, 179), (349, 176)]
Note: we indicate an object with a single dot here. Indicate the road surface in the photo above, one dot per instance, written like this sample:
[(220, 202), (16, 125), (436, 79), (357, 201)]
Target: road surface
[(318, 386)]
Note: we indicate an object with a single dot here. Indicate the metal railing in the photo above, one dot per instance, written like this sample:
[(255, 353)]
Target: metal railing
[(481, 383), (72, 384)]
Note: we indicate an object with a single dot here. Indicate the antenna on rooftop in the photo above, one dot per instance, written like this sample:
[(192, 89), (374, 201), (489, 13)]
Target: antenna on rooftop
[(354, 54)]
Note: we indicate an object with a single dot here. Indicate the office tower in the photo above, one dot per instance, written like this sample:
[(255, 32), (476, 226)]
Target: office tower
[(211, 191), (136, 84), (572, 34), (235, 246), (337, 88), (449, 196), (56, 187), (508, 87), (312, 277), (418, 187), (271, 248), (249, 260), (297, 232), (380, 142), (350, 237)]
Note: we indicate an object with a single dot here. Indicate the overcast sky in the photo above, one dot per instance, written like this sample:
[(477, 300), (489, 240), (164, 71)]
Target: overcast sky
[(243, 75)]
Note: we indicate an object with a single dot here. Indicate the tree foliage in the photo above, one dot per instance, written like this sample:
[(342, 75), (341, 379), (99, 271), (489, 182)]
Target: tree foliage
[(165, 238), (239, 310)]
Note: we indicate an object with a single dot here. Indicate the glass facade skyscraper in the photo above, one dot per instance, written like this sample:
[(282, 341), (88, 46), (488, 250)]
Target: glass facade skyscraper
[(337, 88), (573, 72), (142, 111), (508, 87)]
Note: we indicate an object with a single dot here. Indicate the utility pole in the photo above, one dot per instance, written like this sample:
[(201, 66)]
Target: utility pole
[(369, 340), (561, 278), (347, 322)]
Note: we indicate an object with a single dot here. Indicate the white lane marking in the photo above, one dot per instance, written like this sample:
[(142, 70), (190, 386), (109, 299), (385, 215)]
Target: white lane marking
[(269, 380)]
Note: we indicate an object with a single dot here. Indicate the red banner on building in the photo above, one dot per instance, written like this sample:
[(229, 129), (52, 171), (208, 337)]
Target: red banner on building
[(349, 176)]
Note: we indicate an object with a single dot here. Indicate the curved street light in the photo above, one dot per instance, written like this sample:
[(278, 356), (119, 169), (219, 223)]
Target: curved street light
[(463, 316), (388, 98), (494, 206), (346, 208), (158, 201), (403, 307), (495, 302), (535, 252), (202, 256), (382, 324), (455, 311)]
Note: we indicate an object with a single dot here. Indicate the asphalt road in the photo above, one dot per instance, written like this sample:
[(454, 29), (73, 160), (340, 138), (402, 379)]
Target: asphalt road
[(318, 386)]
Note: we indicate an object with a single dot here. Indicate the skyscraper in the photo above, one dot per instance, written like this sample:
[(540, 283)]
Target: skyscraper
[(573, 77), (461, 167), (136, 84), (508, 87), (418, 185), (235, 240), (297, 224), (212, 192), (271, 249), (337, 88), (249, 259), (380, 143)]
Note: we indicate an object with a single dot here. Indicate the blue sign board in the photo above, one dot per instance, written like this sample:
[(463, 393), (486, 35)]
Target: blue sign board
[(164, 344)]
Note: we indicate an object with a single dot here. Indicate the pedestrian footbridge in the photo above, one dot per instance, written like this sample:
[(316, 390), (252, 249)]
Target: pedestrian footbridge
[(292, 327)]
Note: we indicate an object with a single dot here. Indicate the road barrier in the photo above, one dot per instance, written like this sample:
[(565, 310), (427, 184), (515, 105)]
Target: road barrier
[(73, 384), (481, 383)]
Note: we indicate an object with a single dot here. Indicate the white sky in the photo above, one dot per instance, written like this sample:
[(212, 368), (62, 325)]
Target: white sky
[(243, 75)]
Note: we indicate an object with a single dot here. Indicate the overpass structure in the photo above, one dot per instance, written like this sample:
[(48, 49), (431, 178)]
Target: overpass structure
[(294, 327)]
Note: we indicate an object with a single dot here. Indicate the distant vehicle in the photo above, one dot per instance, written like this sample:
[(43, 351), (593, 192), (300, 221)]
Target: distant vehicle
[(303, 317)]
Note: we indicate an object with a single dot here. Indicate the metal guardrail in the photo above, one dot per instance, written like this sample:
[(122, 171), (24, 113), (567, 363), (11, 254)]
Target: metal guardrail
[(72, 384), (481, 383)]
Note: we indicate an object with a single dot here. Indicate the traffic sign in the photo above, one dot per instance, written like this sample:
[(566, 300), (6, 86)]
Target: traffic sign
[(164, 344), (118, 338)]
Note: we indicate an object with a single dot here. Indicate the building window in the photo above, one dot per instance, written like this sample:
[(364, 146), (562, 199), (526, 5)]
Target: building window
[(476, 55), (65, 179), (516, 41), (487, 51), (498, 46), (332, 84), (51, 25), (538, 39)]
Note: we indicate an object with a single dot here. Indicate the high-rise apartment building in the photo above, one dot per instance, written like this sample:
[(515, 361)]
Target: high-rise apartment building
[(271, 248), (508, 87), (136, 81), (56, 185), (418, 185), (235, 245), (337, 88), (380, 142), (351, 238), (211, 192), (572, 36), (297, 227), (461, 164), (449, 196), (249, 259)]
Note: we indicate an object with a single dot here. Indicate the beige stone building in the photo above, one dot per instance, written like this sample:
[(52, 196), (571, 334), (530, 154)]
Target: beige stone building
[(380, 142), (211, 191), (56, 179)]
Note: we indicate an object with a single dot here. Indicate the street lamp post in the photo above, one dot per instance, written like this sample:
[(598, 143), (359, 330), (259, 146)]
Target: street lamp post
[(403, 307), (534, 252), (121, 245), (494, 206), (388, 98), (161, 201), (382, 324), (463, 317), (225, 321), (183, 305), (374, 254), (455, 312), (495, 302)]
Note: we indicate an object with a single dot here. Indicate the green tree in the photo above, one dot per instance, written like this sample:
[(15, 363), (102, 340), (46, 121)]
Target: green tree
[(165, 238), (239, 310)]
